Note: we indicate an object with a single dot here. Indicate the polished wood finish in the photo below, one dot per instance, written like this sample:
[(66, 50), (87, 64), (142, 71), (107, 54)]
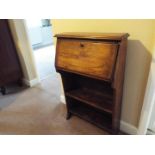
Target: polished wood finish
[(75, 55), (92, 70), (10, 70), (93, 36)]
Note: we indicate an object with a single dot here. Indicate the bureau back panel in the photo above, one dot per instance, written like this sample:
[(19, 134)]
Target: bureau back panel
[(94, 58)]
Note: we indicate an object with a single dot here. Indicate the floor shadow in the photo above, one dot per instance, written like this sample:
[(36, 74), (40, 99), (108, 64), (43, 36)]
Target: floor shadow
[(14, 88), (11, 94)]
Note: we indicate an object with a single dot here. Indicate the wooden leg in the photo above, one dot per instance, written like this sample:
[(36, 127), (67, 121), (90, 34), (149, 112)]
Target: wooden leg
[(68, 115), (20, 83), (3, 90)]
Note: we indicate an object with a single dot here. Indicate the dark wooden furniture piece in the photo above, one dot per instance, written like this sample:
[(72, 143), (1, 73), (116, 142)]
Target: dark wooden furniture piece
[(10, 70), (92, 70)]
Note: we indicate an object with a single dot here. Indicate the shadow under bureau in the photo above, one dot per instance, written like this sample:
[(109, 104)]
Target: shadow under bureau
[(92, 70)]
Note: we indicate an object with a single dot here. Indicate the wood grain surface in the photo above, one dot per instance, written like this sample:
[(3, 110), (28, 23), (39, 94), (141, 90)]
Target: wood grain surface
[(88, 57)]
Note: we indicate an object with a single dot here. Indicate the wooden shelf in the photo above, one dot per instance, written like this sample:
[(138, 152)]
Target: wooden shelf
[(99, 119), (101, 101), (61, 70)]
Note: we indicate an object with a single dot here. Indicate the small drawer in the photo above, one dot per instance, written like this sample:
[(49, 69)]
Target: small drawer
[(94, 58)]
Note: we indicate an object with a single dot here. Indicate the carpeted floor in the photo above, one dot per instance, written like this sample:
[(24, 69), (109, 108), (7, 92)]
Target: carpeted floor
[(38, 110), (44, 59)]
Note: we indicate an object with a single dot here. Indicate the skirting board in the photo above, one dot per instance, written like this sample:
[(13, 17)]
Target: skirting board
[(62, 99), (128, 128), (150, 132), (124, 126), (31, 83)]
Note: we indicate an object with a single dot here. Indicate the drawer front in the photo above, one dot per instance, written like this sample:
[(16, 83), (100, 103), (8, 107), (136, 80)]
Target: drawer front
[(87, 57)]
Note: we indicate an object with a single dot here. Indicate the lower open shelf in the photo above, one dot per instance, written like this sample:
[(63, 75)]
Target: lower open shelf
[(99, 100), (100, 119)]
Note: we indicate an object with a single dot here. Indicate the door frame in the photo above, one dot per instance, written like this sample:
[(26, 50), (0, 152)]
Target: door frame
[(21, 39)]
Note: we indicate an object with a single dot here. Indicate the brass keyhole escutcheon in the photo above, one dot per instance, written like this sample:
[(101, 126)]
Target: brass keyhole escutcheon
[(81, 45)]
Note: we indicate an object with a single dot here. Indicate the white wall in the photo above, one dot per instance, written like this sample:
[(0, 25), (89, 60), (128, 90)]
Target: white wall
[(21, 39)]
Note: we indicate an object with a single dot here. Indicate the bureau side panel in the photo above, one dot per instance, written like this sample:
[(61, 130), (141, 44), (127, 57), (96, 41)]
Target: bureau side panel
[(118, 84)]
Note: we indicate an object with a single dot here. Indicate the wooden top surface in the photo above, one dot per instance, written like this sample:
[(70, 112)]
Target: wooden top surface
[(86, 35)]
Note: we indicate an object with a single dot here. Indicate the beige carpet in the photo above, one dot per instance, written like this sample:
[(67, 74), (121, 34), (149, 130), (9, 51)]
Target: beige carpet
[(38, 110)]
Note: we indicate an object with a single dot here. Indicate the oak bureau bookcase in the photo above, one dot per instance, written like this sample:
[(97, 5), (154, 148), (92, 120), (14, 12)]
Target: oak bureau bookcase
[(92, 70)]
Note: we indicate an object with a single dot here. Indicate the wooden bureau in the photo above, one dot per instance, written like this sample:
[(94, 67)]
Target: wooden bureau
[(92, 70)]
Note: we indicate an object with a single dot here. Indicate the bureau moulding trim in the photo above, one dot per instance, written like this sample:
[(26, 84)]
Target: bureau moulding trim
[(31, 83), (124, 126)]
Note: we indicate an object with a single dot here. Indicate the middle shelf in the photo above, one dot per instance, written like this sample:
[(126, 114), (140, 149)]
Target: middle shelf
[(100, 100)]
